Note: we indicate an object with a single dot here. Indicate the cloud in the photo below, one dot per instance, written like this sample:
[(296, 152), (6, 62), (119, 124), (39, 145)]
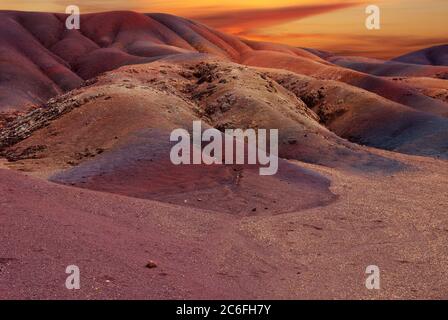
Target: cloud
[(359, 44), (243, 22)]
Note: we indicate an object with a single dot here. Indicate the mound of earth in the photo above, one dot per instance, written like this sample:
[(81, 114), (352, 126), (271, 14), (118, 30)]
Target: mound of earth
[(114, 136), (42, 59), (436, 56), (389, 68)]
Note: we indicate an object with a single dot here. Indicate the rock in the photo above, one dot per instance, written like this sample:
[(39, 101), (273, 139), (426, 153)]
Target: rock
[(151, 265)]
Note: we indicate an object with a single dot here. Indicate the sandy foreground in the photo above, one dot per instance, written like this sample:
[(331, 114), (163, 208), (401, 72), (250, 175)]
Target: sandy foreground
[(398, 222)]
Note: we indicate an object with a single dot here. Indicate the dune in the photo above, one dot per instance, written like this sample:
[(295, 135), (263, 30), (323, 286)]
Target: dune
[(436, 56), (115, 133), (55, 60), (382, 86), (165, 96), (389, 68), (434, 88), (59, 60), (369, 119)]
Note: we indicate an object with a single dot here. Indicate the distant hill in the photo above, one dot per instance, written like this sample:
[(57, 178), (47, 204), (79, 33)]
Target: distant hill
[(435, 56)]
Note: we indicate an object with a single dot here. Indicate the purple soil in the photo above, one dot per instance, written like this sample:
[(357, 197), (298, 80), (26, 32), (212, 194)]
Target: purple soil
[(142, 168)]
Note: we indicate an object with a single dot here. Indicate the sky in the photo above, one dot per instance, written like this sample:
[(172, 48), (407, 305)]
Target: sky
[(332, 25)]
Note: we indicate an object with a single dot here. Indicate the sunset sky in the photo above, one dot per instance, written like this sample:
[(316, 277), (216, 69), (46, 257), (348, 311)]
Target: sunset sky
[(334, 25)]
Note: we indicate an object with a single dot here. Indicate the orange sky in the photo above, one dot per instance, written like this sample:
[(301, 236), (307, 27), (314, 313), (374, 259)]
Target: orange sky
[(334, 25)]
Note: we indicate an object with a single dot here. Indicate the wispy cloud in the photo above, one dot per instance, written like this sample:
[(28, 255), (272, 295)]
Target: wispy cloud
[(243, 22)]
